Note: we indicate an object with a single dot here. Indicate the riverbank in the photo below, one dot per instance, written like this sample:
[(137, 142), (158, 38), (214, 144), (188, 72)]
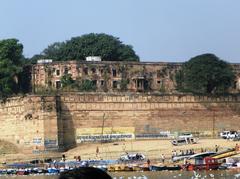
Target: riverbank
[(152, 149)]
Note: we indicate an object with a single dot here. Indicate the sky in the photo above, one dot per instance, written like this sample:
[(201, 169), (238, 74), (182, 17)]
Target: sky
[(158, 30)]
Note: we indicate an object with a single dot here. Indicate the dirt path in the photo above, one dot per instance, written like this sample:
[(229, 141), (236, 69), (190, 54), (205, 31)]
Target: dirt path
[(151, 148)]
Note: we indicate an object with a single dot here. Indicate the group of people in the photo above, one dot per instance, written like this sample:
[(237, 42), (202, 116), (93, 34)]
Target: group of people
[(183, 153), (77, 158)]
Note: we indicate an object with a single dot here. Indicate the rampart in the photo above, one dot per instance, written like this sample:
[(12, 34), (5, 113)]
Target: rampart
[(44, 123)]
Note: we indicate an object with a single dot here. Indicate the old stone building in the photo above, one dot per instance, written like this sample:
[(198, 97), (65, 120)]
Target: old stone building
[(113, 76), (39, 123)]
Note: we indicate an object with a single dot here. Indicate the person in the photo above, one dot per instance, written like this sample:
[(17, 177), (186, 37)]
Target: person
[(79, 158), (237, 147), (216, 148), (137, 156), (63, 158), (148, 162), (84, 173), (182, 152), (173, 153), (97, 151), (124, 147), (163, 158)]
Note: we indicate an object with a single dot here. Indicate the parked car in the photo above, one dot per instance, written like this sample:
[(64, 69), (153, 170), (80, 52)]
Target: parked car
[(229, 134), (224, 134), (132, 157), (184, 141), (185, 135), (232, 135)]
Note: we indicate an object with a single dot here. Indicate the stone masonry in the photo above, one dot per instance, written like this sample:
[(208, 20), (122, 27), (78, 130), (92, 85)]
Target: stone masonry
[(44, 123)]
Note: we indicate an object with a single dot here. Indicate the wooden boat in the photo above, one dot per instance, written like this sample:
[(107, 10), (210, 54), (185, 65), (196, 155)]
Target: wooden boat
[(22, 172), (207, 163), (157, 168), (175, 167), (181, 157), (161, 168), (119, 168), (140, 167)]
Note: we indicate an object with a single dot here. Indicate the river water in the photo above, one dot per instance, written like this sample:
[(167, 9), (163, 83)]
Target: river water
[(220, 174)]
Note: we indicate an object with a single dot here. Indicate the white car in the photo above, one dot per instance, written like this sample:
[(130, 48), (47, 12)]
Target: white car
[(132, 157), (228, 134), (224, 134), (232, 135), (185, 135)]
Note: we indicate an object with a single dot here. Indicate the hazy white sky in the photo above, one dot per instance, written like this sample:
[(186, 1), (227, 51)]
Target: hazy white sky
[(159, 30)]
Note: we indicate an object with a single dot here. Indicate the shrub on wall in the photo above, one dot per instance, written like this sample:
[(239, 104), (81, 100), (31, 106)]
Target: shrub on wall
[(87, 85)]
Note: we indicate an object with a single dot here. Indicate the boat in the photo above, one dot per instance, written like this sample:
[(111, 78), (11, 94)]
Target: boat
[(157, 168), (202, 155), (119, 168), (180, 157), (226, 153), (206, 163), (53, 170), (174, 167), (140, 167), (102, 167), (161, 168), (22, 172)]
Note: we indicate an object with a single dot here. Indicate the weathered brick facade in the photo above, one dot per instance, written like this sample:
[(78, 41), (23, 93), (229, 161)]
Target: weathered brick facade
[(112, 76)]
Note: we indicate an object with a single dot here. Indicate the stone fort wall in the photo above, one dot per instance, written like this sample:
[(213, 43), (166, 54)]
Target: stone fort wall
[(43, 123)]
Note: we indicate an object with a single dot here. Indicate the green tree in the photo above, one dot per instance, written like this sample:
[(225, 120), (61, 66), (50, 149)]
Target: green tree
[(67, 81), (205, 74), (10, 66), (110, 48), (54, 51)]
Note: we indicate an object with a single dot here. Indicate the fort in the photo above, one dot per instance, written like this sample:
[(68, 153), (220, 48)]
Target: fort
[(114, 76), (45, 123), (56, 122)]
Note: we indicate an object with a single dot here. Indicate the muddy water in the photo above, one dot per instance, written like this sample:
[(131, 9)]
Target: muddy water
[(220, 174)]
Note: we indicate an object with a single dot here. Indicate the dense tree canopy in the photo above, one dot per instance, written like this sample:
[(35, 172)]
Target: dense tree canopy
[(205, 74), (108, 47), (10, 66)]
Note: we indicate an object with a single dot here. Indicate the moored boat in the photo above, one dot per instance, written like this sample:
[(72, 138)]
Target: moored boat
[(207, 163), (161, 168), (157, 168), (174, 167), (119, 168)]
